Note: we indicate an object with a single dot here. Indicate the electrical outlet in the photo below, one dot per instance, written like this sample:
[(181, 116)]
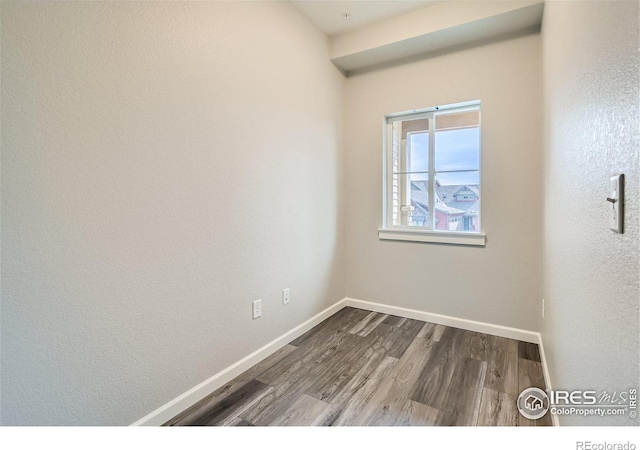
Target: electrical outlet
[(285, 296), (257, 309), (543, 308)]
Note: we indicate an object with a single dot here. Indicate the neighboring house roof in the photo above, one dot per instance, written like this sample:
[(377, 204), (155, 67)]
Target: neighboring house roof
[(474, 210), (442, 206), (420, 200), (444, 199), (469, 208), (419, 193), (448, 193), (473, 188), (421, 210)]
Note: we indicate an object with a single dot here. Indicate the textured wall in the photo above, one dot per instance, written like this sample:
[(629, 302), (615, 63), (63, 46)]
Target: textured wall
[(501, 283), (591, 274), (163, 165)]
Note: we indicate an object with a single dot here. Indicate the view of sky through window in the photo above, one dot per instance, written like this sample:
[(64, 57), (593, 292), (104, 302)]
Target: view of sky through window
[(456, 150)]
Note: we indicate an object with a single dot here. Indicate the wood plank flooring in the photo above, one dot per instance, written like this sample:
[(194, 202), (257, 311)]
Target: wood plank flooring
[(365, 368)]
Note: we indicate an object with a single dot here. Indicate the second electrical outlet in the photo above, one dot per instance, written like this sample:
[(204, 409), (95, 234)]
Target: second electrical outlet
[(285, 296), (257, 308)]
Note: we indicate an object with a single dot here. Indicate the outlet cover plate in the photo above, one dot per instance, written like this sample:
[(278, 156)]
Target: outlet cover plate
[(615, 203), (257, 309)]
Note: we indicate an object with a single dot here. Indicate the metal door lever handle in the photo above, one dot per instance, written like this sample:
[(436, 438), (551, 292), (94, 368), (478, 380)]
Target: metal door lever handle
[(612, 200)]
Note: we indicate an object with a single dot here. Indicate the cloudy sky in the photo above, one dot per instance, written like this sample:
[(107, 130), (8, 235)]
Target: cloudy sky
[(455, 150)]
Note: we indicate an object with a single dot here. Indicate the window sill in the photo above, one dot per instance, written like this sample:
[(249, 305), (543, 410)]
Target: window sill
[(438, 237)]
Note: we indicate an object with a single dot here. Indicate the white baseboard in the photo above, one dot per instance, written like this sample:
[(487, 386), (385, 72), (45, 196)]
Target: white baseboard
[(197, 393), (450, 321), (547, 378)]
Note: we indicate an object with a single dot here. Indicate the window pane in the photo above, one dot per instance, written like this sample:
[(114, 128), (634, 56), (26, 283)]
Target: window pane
[(457, 201), (457, 141), (418, 176), (418, 152), (410, 190), (453, 178), (410, 151), (410, 200), (419, 203)]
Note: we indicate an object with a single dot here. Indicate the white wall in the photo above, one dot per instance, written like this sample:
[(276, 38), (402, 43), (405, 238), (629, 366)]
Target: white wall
[(591, 326), (502, 282), (163, 165)]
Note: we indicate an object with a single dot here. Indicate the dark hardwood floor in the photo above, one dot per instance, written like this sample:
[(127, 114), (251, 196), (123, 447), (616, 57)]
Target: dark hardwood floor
[(365, 368)]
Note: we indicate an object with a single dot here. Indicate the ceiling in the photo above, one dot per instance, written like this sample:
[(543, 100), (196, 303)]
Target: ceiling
[(328, 15)]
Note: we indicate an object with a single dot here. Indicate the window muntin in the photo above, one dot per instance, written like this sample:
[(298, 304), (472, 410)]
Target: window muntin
[(442, 145)]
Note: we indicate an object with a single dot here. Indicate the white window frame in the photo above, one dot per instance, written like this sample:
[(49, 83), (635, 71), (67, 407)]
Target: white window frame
[(388, 231)]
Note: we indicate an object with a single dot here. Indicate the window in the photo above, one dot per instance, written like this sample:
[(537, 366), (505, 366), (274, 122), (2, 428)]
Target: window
[(432, 175)]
